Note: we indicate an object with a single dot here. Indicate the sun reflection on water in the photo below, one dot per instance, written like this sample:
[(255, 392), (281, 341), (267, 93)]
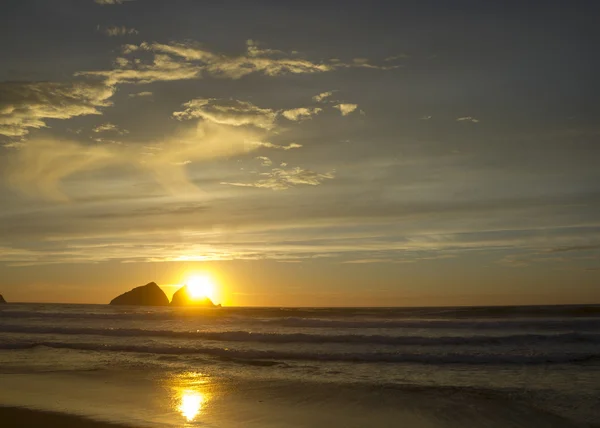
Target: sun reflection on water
[(190, 394), (191, 404)]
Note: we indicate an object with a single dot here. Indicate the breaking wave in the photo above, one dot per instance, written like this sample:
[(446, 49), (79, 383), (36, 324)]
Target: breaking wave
[(283, 338), (356, 357)]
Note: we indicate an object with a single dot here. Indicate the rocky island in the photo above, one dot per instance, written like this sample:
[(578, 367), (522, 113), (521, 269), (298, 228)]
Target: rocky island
[(146, 295), (2, 299)]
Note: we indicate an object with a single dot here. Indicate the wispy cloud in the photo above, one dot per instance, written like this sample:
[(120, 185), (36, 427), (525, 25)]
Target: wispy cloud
[(109, 127), (161, 68), (467, 119), (404, 257), (30, 104), (282, 179), (43, 163), (322, 96), (254, 49), (301, 113), (426, 117), (269, 145), (235, 67), (176, 61), (396, 57), (41, 166), (119, 31), (346, 108), (104, 2), (141, 94), (574, 248), (264, 160), (142, 229), (225, 128), (229, 112)]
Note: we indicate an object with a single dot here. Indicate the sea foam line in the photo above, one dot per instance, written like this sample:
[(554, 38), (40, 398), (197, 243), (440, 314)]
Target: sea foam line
[(374, 357), (558, 324), (283, 338)]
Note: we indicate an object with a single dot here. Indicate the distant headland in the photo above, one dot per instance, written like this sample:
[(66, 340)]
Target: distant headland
[(2, 299), (152, 295)]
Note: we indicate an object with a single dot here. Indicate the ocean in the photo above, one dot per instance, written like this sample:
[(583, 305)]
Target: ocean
[(304, 367)]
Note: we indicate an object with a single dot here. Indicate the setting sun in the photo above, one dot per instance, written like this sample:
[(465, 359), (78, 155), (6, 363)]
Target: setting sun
[(201, 286)]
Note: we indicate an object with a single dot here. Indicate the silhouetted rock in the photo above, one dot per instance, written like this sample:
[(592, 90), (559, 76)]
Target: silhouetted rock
[(146, 295), (2, 299), (182, 298)]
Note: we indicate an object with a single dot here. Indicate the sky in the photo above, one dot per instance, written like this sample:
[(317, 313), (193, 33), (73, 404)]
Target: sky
[(301, 153)]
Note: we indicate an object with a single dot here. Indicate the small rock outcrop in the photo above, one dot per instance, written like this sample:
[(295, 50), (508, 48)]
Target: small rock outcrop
[(145, 295), (182, 297), (2, 299)]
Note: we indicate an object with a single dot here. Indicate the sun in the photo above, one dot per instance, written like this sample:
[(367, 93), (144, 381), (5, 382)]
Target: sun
[(200, 286)]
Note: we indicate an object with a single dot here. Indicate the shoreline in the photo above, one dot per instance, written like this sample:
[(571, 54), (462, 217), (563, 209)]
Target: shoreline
[(13, 417)]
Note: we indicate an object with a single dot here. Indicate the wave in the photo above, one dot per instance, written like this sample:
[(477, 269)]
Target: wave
[(149, 315), (541, 324), (215, 317), (477, 312), (379, 357), (282, 338)]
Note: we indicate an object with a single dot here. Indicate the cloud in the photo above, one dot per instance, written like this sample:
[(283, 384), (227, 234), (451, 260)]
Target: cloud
[(322, 96), (269, 145), (162, 68), (301, 113), (281, 179), (119, 31), (26, 105), (264, 161), (232, 112), (100, 140), (209, 140), (43, 165), (226, 128), (346, 108), (177, 61), (395, 57), (104, 2), (528, 259), (109, 127), (426, 117), (404, 257), (138, 228), (141, 94), (368, 261), (574, 248), (467, 119), (254, 50), (244, 113), (234, 67)]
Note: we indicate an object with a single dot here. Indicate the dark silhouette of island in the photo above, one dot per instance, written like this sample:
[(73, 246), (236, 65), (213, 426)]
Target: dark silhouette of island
[(145, 295), (2, 299), (182, 297)]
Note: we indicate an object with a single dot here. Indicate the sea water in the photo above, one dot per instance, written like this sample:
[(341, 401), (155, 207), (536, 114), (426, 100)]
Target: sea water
[(303, 367)]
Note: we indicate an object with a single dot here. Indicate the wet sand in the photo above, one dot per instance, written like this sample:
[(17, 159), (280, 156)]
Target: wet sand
[(131, 400), (16, 417)]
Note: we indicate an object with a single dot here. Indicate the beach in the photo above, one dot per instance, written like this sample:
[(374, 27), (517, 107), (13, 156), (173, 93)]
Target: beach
[(20, 417), (299, 368)]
